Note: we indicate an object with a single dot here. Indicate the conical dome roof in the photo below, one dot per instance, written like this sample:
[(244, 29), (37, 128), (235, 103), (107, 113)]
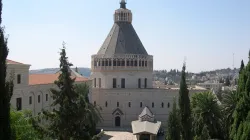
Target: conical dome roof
[(122, 38)]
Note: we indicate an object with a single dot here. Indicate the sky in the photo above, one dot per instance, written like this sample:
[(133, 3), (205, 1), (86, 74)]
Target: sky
[(210, 34)]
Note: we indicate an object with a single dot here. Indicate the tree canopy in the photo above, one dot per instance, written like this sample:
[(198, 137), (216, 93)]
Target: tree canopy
[(73, 117), (185, 110)]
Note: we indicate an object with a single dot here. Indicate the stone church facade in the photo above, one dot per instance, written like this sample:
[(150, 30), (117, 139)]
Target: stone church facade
[(122, 77)]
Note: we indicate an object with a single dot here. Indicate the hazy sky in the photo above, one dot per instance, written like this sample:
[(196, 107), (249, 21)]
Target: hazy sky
[(206, 32)]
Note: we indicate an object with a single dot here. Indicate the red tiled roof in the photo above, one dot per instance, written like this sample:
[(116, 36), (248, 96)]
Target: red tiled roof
[(39, 79), (13, 62)]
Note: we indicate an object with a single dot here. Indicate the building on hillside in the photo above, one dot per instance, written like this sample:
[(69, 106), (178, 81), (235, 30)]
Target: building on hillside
[(32, 91), (209, 85), (122, 77)]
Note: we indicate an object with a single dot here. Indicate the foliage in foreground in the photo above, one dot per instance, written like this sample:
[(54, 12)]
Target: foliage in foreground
[(229, 100), (240, 128), (206, 113), (21, 125), (5, 94)]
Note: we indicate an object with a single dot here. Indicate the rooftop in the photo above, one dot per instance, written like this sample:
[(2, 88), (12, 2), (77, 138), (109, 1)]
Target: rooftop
[(8, 61), (122, 39), (39, 79), (146, 111)]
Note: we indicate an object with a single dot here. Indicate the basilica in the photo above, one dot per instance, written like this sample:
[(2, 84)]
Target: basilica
[(121, 82), (122, 77)]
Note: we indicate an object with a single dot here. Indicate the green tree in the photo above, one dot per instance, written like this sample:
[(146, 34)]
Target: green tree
[(206, 111), (5, 94), (184, 105), (92, 113), (205, 133), (173, 129), (229, 101), (73, 117), (240, 115), (21, 125), (241, 66)]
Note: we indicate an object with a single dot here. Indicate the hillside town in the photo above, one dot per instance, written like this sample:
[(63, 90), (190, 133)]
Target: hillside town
[(224, 79)]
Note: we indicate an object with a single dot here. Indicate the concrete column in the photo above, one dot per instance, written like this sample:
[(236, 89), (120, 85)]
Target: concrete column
[(125, 62), (151, 137), (138, 137)]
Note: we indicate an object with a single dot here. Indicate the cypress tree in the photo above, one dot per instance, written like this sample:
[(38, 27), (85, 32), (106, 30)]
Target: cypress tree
[(241, 66), (65, 98), (173, 129), (5, 92), (185, 110), (240, 116)]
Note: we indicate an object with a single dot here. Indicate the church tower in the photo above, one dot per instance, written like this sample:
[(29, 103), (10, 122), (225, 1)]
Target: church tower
[(122, 62)]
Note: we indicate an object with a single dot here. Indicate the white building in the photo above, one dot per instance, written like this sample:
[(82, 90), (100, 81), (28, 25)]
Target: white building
[(32, 91), (122, 75), (210, 86)]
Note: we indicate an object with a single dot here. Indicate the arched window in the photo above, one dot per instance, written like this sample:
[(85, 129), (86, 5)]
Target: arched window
[(168, 105), (129, 104), (153, 105), (106, 104), (127, 62), (145, 83), (135, 64), (123, 83), (141, 104), (117, 104), (139, 83), (100, 82), (132, 63), (162, 105), (114, 62), (114, 82), (95, 82)]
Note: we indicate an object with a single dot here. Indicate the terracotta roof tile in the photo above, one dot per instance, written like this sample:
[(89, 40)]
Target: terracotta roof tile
[(39, 79), (13, 62)]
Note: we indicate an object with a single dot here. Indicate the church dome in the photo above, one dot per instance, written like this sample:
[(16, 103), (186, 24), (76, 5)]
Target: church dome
[(122, 38)]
